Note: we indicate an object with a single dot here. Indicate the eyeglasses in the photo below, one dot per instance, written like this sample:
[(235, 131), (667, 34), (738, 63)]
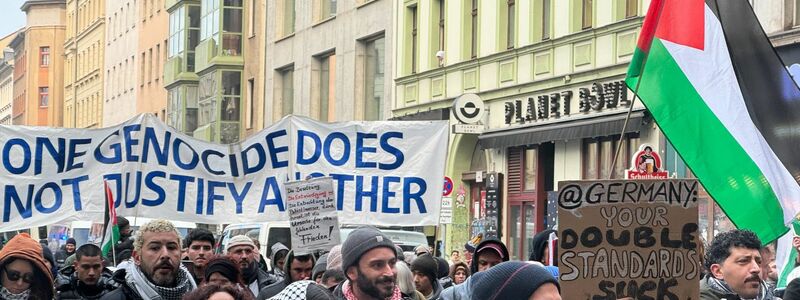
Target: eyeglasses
[(16, 275)]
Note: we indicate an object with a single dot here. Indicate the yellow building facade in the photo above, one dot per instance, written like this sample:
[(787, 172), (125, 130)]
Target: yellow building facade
[(85, 52), (38, 73)]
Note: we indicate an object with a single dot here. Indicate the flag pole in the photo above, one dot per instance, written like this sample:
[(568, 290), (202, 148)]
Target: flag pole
[(635, 95)]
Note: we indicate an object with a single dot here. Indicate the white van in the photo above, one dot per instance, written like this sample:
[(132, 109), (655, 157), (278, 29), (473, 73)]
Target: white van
[(92, 232), (270, 233)]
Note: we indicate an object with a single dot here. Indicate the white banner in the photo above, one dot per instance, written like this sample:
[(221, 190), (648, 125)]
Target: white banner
[(312, 212), (384, 173)]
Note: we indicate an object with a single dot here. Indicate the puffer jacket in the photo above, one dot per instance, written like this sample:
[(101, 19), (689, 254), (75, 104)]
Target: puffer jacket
[(69, 287)]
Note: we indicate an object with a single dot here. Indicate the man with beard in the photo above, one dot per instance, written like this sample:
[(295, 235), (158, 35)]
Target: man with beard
[(297, 268), (61, 255), (199, 248), (86, 278), (733, 260), (156, 272), (240, 248), (368, 260)]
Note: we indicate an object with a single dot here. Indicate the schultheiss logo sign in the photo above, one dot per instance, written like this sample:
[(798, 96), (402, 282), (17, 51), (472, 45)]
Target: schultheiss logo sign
[(646, 164)]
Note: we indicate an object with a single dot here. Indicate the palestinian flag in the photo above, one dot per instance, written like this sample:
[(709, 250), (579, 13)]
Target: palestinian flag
[(722, 96), (110, 228)]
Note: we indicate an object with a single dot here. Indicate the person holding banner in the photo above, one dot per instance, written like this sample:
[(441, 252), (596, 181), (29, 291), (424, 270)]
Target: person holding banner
[(733, 260), (23, 272), (156, 272)]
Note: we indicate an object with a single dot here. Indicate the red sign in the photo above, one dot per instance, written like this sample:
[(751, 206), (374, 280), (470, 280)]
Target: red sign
[(646, 164), (448, 186)]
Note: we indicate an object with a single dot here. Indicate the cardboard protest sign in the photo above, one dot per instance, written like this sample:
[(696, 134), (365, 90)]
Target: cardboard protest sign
[(385, 172), (312, 214), (633, 239)]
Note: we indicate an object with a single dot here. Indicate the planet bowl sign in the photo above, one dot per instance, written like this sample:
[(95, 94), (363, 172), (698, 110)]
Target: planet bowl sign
[(646, 164)]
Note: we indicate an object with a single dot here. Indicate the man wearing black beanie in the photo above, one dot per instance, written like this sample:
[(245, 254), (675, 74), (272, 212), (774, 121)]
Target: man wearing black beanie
[(426, 270)]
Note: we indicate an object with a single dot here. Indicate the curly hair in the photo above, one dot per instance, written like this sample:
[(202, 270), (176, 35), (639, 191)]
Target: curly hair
[(205, 292), (720, 247), (157, 226)]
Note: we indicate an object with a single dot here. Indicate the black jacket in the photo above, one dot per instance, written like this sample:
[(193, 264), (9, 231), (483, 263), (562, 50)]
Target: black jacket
[(61, 256), (123, 292), (277, 287), (69, 287)]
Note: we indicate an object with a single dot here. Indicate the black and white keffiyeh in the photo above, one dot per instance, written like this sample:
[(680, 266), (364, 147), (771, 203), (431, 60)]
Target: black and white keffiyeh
[(148, 290), (295, 291), (7, 295), (722, 287)]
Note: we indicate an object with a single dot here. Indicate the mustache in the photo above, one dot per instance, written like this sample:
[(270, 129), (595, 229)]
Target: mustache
[(755, 278), (385, 279), (164, 265)]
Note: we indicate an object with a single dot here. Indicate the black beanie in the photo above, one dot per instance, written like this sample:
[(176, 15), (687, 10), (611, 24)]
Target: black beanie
[(71, 241), (510, 280), (444, 268), (360, 241), (427, 265), (224, 267)]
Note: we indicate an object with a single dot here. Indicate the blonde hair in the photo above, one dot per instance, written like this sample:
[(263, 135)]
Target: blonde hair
[(157, 226)]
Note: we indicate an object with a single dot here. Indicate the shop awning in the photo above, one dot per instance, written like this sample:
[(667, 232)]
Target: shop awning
[(562, 131)]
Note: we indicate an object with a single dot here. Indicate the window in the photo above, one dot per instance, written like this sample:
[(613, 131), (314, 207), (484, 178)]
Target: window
[(150, 65), (545, 19), (374, 74), (327, 87), (414, 38), (631, 8), (44, 56), (327, 9), (209, 21), (232, 28), (529, 169), (287, 27), (158, 62), (251, 31), (287, 91), (176, 33), (194, 36), (474, 30), (439, 12), (250, 115), (510, 23), (586, 14), (231, 94), (142, 70), (208, 101), (598, 154), (44, 96)]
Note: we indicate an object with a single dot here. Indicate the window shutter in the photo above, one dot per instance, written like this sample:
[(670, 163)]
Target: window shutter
[(515, 170)]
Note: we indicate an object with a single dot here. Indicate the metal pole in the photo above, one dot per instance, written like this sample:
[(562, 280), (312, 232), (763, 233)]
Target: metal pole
[(635, 95)]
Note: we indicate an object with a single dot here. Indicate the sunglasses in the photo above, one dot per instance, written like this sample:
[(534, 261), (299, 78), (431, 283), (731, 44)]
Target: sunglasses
[(16, 275)]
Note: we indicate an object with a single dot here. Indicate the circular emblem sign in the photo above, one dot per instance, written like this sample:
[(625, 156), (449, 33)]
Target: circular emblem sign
[(468, 108)]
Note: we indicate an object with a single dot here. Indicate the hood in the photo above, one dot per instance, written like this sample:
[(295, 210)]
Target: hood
[(538, 244), (24, 247), (473, 268), (277, 247), (287, 278), (437, 290), (320, 266)]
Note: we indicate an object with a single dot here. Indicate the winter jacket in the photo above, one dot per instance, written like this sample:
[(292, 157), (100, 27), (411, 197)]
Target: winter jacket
[(277, 247), (123, 292), (458, 292), (69, 287), (61, 257), (276, 288), (706, 293)]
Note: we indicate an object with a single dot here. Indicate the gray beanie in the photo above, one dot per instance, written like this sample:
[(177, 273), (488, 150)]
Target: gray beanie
[(360, 241)]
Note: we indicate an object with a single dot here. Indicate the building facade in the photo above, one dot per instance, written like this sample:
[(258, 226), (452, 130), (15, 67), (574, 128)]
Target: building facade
[(38, 70), (329, 59), (120, 63), (6, 85), (536, 68), (84, 75), (153, 26), (255, 40)]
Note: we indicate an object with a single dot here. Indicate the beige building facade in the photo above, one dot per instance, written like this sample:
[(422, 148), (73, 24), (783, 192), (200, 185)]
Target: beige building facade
[(38, 70), (120, 63), (153, 27), (85, 70), (329, 59), (255, 40), (6, 86)]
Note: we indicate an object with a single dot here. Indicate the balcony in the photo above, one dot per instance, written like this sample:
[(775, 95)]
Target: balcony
[(175, 71)]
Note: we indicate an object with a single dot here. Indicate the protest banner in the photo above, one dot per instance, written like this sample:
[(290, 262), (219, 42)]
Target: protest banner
[(633, 239), (384, 173), (312, 214)]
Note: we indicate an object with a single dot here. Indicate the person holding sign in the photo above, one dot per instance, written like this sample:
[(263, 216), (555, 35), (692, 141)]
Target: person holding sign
[(733, 260)]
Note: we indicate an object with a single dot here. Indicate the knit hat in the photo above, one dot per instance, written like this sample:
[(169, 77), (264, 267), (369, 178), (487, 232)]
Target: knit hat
[(71, 241), (319, 266), (444, 267), (427, 265), (24, 247), (421, 249), (225, 267), (360, 241), (510, 280), (335, 258), (488, 245), (239, 240), (302, 290)]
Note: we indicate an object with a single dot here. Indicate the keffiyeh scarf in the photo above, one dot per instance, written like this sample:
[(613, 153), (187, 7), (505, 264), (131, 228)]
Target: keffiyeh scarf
[(7, 295), (148, 290), (723, 288), (349, 295)]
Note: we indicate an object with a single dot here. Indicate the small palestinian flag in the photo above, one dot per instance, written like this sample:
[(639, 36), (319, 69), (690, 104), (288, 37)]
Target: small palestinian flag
[(110, 228)]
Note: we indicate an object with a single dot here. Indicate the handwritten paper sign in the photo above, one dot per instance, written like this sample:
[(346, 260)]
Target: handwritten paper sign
[(312, 212), (630, 238)]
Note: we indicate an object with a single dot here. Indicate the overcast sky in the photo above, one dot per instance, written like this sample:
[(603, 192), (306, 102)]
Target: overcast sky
[(12, 18)]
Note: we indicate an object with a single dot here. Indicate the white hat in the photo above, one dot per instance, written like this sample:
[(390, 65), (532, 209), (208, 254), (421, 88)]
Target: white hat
[(239, 240)]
